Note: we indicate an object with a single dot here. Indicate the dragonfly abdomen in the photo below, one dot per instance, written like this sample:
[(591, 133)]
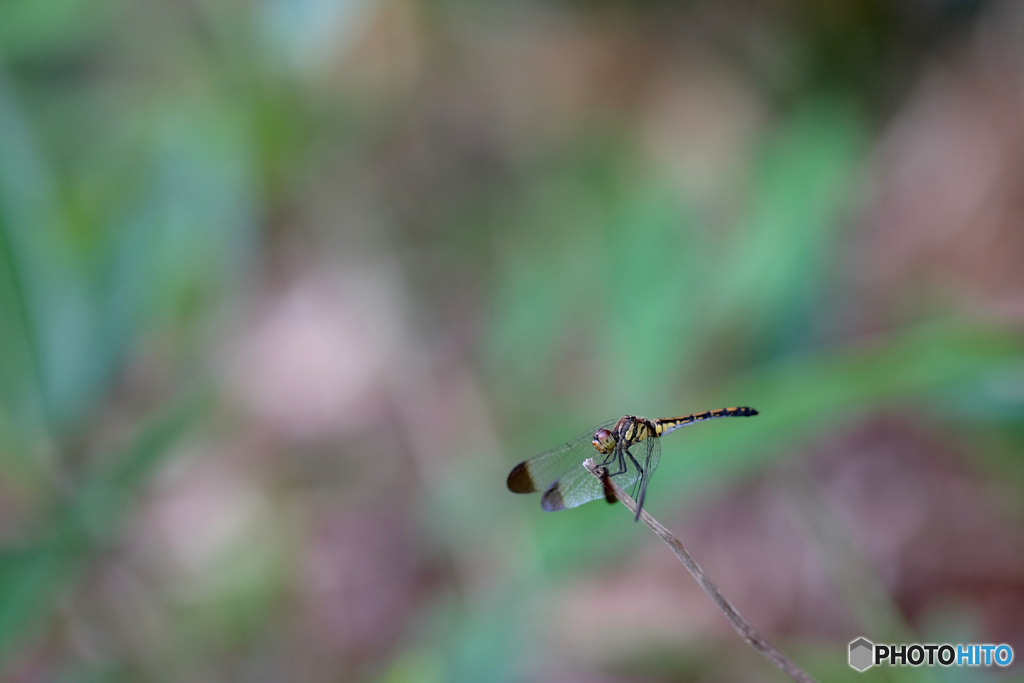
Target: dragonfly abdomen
[(670, 424)]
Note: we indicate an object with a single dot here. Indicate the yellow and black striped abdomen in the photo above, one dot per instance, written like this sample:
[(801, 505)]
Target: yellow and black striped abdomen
[(670, 424)]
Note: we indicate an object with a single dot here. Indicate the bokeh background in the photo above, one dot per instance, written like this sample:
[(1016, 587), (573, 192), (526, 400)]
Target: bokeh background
[(287, 286)]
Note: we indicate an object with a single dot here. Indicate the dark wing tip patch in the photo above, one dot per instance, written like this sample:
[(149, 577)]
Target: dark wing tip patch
[(552, 499), (520, 481)]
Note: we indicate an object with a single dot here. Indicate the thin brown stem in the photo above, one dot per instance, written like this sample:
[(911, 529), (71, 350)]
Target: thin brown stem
[(746, 631)]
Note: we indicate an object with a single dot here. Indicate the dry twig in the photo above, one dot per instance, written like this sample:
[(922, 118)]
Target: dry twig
[(746, 631)]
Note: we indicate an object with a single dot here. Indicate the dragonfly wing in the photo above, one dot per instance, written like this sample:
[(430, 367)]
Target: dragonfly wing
[(541, 471), (571, 490), (648, 455), (578, 486)]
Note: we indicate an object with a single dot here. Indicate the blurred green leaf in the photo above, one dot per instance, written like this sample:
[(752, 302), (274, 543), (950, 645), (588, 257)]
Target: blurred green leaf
[(775, 283), (25, 210), (76, 297), (20, 400), (39, 29), (32, 578)]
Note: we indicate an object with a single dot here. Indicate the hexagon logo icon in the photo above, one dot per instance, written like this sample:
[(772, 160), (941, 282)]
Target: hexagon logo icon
[(862, 653)]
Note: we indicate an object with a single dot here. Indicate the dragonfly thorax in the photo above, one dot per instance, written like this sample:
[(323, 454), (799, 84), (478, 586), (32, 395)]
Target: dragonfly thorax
[(631, 429), (628, 430)]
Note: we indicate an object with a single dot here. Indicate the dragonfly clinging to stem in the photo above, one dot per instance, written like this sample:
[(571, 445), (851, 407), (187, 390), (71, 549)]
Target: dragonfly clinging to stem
[(631, 447)]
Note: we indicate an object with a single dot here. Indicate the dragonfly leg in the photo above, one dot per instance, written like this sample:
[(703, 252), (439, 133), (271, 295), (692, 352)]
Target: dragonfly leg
[(641, 483), (609, 459), (635, 463), (616, 455)]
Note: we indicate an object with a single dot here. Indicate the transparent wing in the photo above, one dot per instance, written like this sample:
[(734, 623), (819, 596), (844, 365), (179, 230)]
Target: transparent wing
[(571, 490), (633, 466), (540, 471), (651, 456)]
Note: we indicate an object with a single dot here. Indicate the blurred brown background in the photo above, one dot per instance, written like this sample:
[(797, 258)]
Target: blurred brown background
[(288, 286)]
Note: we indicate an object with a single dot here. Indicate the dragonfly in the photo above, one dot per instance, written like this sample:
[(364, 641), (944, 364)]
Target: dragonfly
[(631, 447)]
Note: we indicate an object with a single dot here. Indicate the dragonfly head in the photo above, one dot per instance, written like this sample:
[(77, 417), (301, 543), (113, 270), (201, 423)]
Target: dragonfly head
[(604, 441)]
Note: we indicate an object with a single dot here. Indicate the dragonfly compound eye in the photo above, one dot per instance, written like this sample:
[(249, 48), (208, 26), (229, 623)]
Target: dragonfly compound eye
[(604, 441)]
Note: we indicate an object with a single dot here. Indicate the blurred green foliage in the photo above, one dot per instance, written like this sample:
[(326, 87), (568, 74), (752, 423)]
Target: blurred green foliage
[(159, 162)]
